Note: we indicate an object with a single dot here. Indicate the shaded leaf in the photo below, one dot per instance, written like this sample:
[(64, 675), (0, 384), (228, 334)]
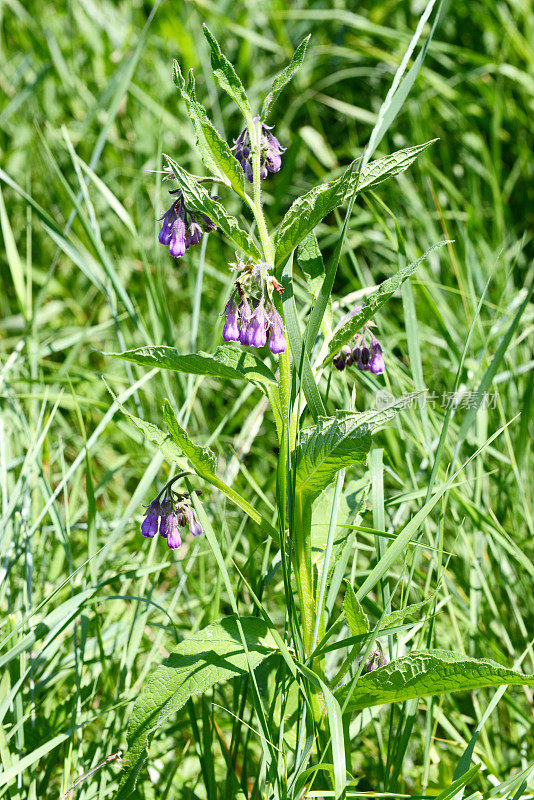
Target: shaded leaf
[(428, 673), (210, 656)]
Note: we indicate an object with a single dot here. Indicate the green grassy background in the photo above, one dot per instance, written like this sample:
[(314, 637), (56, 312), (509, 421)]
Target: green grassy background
[(90, 607)]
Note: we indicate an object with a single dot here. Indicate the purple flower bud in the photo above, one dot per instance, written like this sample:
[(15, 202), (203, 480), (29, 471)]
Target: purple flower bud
[(258, 325), (231, 326), (177, 244), (375, 660), (339, 362), (149, 527), (182, 228), (165, 234), (174, 539), (356, 355), (271, 149), (376, 363), (245, 316), (363, 363), (277, 340), (346, 354), (194, 234), (194, 525), (270, 156)]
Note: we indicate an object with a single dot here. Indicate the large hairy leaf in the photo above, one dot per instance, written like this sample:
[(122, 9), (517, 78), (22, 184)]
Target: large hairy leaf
[(284, 77), (226, 362), (330, 445), (427, 673), (212, 655), (356, 322), (307, 211), (198, 199), (226, 75), (213, 149)]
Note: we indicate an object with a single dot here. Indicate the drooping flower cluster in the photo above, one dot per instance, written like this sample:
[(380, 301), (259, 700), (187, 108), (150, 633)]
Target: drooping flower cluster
[(250, 316), (375, 660), (168, 516), (181, 227), (365, 351), (270, 152)]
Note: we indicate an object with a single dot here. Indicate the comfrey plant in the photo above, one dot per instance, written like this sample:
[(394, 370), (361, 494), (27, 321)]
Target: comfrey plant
[(325, 661)]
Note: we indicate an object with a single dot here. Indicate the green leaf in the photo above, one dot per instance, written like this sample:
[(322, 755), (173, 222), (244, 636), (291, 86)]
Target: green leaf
[(333, 443), (213, 149), (204, 463), (355, 323), (227, 362), (210, 656), (307, 211), (398, 617), (198, 199), (284, 77), (356, 617), (383, 168), (311, 263), (427, 673), (226, 75)]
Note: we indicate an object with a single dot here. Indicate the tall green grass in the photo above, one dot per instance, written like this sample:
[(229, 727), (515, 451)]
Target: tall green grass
[(88, 607)]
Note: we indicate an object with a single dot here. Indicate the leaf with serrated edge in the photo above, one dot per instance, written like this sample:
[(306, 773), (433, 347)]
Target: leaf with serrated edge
[(226, 75), (427, 673), (198, 199), (213, 149), (285, 76), (210, 656), (226, 362), (333, 443), (373, 303), (307, 211), (203, 461), (355, 615)]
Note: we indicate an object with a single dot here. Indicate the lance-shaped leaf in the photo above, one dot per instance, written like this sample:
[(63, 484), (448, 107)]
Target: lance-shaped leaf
[(398, 617), (307, 211), (198, 199), (210, 656), (330, 445), (356, 617), (213, 149), (284, 77), (426, 673), (226, 75), (204, 462), (356, 322), (226, 362)]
